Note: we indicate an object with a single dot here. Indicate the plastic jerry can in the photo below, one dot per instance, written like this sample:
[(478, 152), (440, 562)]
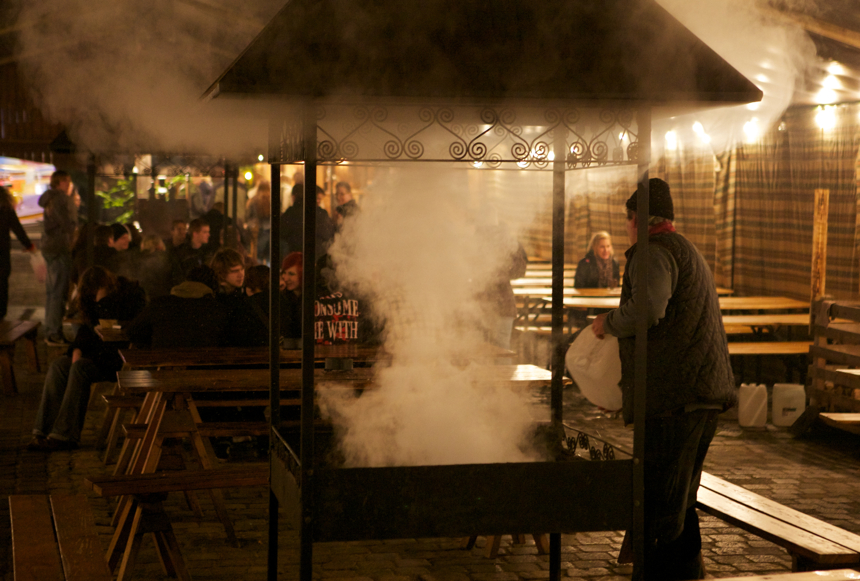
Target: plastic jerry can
[(752, 405), (789, 402)]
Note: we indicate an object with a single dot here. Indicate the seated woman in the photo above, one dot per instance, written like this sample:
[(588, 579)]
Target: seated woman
[(291, 301), (100, 295), (598, 269)]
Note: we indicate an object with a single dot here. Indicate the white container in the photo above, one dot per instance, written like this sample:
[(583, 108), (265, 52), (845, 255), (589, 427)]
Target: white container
[(752, 405), (789, 402)]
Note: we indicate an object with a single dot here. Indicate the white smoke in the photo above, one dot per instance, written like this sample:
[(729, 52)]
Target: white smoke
[(421, 253), (127, 76), (771, 53)]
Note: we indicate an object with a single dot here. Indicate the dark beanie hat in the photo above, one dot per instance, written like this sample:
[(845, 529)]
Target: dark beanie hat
[(659, 200), (119, 230)]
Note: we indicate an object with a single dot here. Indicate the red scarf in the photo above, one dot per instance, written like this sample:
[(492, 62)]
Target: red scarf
[(661, 228)]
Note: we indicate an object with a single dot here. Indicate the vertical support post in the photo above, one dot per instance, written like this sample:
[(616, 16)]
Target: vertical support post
[(274, 357), (643, 121), (235, 202), (819, 244), (92, 214), (557, 386), (226, 193), (309, 131)]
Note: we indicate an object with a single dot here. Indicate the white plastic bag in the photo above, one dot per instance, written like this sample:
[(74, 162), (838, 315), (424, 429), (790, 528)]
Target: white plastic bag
[(40, 268), (596, 367)]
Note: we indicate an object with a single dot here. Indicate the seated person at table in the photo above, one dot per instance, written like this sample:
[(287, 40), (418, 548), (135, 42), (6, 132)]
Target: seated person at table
[(190, 316), (104, 254), (291, 301), (100, 295), (244, 327), (598, 269), (257, 289)]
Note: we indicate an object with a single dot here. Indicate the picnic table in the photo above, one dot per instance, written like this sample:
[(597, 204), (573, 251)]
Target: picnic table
[(757, 303), (259, 356), (169, 411)]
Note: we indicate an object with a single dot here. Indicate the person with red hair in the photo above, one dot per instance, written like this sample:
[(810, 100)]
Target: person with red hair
[(291, 300)]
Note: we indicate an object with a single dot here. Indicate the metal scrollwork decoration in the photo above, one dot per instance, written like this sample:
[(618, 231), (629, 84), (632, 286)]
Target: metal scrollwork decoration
[(582, 441), (479, 135)]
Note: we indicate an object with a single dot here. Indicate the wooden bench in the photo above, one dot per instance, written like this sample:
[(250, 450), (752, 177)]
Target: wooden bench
[(145, 513), (812, 543), (850, 422), (54, 537), (10, 333)]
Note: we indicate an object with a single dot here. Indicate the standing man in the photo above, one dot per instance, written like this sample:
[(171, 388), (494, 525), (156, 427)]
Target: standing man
[(689, 381), (59, 221), (195, 252)]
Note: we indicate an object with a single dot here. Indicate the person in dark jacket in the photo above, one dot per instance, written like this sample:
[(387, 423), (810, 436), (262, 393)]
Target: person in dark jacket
[(689, 380), (598, 269), (291, 301), (189, 316), (100, 295), (245, 327), (195, 252), (59, 221), (9, 222), (104, 254), (292, 220)]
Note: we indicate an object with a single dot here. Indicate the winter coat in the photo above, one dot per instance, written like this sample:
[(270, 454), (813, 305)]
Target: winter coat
[(60, 219), (688, 356), (588, 274)]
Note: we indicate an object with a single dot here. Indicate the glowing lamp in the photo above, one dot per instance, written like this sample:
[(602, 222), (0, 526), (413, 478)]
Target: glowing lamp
[(249, 176), (671, 140), (826, 118), (261, 157)]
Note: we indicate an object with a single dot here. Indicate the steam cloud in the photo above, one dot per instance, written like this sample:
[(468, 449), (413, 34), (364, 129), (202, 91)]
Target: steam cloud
[(127, 76), (771, 54), (423, 254)]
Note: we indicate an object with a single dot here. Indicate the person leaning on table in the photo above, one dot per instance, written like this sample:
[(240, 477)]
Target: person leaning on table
[(598, 269), (689, 382)]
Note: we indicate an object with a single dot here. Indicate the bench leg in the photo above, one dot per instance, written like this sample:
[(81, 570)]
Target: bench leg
[(32, 353), (7, 371), (492, 548)]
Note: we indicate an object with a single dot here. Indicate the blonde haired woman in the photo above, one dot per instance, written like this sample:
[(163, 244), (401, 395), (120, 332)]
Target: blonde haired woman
[(598, 269)]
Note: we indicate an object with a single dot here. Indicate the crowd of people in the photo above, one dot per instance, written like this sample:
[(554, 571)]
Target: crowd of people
[(197, 288)]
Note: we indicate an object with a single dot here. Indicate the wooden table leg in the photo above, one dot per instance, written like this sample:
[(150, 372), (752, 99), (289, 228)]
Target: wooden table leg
[(32, 352), (7, 372)]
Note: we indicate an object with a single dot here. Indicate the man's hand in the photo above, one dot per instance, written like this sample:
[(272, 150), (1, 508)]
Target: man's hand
[(597, 326)]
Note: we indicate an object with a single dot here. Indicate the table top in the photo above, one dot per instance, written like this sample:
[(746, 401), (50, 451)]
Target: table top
[(567, 291), (226, 380), (232, 356), (726, 303), (768, 320)]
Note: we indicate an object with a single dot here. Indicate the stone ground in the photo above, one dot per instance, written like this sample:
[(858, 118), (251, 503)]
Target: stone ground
[(818, 474)]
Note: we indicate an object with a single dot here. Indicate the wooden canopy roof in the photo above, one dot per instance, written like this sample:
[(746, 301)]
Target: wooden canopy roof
[(450, 49)]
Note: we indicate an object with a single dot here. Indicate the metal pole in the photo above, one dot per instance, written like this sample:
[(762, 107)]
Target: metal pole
[(641, 353), (274, 359), (92, 215), (235, 201), (558, 166), (309, 131)]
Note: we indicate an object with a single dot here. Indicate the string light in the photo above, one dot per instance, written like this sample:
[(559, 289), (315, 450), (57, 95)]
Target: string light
[(751, 129), (700, 131), (671, 140), (826, 118)]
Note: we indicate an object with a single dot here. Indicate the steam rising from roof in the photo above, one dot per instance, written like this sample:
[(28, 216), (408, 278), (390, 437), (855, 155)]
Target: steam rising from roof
[(772, 54), (123, 75)]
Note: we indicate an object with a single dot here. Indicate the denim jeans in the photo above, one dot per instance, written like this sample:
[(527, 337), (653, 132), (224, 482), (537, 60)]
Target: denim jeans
[(56, 289), (64, 398)]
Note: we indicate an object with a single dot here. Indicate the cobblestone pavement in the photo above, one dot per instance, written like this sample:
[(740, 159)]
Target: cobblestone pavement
[(819, 475)]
